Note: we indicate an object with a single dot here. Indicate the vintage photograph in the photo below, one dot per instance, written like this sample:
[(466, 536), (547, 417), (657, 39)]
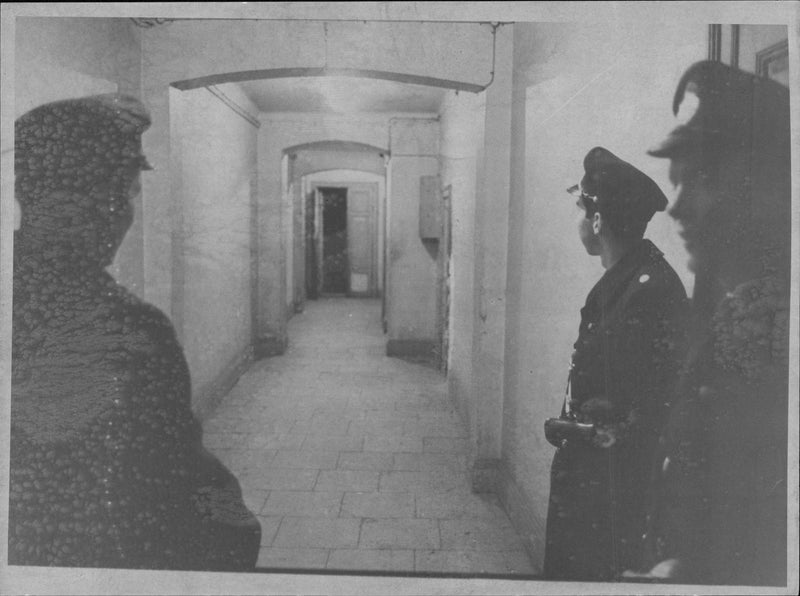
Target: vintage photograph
[(399, 298)]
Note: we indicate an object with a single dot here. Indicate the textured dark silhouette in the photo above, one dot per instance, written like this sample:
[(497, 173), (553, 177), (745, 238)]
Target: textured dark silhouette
[(718, 513), (107, 463)]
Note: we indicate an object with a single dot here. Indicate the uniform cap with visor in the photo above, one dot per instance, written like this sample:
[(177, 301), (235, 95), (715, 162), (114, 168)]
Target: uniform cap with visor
[(617, 190), (719, 107)]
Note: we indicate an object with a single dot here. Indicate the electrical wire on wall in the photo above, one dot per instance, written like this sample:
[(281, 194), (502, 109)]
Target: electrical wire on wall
[(326, 71)]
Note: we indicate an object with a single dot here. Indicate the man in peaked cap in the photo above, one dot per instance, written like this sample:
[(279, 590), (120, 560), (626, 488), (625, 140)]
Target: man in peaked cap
[(623, 195), (622, 365), (718, 512), (107, 465)]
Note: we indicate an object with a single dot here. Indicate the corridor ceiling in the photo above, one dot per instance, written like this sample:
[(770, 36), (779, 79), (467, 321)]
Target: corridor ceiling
[(341, 95)]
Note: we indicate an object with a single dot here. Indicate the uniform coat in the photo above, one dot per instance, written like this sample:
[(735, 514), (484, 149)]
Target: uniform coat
[(720, 489), (623, 364)]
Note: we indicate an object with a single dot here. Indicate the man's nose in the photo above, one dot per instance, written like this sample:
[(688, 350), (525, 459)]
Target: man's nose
[(680, 209)]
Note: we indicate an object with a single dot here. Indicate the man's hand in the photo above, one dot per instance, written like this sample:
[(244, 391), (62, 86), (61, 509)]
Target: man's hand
[(665, 570), (604, 436)]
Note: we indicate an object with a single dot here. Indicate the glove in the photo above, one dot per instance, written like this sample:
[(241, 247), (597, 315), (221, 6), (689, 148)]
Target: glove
[(558, 431)]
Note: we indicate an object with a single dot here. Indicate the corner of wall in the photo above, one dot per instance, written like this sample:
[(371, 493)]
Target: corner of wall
[(519, 508), (206, 400), (268, 345)]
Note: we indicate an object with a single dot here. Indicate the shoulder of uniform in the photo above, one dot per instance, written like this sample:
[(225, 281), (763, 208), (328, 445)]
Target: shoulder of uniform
[(655, 284), (658, 275)]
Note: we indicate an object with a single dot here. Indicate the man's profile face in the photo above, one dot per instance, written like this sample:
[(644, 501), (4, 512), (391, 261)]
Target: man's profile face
[(586, 232), (695, 209)]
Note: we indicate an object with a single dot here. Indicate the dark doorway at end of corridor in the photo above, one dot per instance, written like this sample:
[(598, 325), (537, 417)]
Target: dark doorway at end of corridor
[(341, 240), (326, 242), (334, 241)]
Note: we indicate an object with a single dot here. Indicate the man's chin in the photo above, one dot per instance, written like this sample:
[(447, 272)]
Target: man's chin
[(700, 263), (695, 259)]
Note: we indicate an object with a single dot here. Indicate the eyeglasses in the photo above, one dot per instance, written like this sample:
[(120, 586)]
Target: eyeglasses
[(577, 191)]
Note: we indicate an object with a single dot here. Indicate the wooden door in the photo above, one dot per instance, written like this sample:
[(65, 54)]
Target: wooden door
[(362, 200)]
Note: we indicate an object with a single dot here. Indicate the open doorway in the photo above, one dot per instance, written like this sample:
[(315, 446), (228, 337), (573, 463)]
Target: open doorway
[(334, 272), (342, 239)]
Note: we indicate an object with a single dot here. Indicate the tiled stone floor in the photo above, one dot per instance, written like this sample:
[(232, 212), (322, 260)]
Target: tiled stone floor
[(356, 461)]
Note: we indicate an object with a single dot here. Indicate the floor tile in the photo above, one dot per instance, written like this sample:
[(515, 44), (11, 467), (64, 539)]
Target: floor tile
[(404, 444), (376, 461), (371, 560), (443, 561), (445, 445), (426, 462), (269, 529), (292, 558), (254, 498), (443, 428), (303, 503), (333, 442), (400, 533), (282, 479), (300, 532), (481, 535), (456, 505), (378, 505), (423, 482), (318, 459), (347, 480)]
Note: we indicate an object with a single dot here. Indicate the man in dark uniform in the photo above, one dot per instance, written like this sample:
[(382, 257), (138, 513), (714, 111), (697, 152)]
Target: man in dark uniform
[(623, 365), (718, 512)]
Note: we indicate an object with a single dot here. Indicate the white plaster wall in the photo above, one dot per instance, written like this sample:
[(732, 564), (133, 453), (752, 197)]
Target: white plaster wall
[(218, 168), (476, 153), (491, 216), (101, 48), (575, 86), (461, 131), (411, 283)]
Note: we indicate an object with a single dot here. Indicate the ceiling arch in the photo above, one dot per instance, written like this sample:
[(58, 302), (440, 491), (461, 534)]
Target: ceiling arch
[(335, 145)]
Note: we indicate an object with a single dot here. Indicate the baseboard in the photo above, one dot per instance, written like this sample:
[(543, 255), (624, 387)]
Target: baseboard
[(207, 400), (269, 345), (415, 350), (485, 476), (529, 525)]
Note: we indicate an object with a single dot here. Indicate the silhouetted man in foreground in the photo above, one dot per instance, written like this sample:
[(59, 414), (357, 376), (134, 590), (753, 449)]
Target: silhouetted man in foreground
[(718, 512)]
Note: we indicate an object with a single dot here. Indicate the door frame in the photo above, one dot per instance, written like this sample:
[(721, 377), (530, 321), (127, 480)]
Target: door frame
[(313, 187), (373, 189)]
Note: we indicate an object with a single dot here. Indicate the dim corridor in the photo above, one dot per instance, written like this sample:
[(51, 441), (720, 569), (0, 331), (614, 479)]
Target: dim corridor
[(354, 460)]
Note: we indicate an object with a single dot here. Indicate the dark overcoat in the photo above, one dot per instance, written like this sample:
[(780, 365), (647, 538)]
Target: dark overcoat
[(624, 362), (107, 463), (720, 475)]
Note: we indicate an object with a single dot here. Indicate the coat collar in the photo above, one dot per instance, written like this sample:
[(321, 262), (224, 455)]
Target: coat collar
[(608, 288)]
